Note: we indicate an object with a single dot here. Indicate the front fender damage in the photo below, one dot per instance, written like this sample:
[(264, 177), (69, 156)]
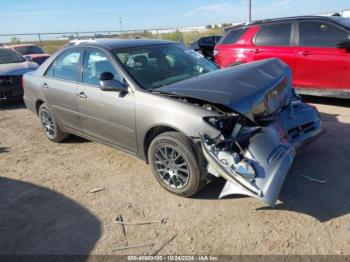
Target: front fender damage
[(257, 171), (255, 160)]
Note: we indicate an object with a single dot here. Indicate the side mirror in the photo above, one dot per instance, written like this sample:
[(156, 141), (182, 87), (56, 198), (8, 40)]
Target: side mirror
[(28, 58), (344, 44), (108, 83)]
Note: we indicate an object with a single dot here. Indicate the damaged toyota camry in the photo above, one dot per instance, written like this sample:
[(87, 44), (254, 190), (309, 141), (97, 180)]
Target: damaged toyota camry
[(179, 112)]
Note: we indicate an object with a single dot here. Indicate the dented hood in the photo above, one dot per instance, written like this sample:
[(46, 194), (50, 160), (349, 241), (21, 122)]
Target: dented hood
[(241, 88)]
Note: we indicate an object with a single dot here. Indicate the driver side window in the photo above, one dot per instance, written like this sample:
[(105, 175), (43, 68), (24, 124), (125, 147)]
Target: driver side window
[(95, 63), (317, 34)]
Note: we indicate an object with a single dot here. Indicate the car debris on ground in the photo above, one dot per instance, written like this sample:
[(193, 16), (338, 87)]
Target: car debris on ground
[(163, 245), (95, 190), (162, 221), (133, 246)]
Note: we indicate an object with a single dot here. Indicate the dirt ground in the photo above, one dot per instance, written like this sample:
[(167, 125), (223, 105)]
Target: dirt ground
[(46, 206)]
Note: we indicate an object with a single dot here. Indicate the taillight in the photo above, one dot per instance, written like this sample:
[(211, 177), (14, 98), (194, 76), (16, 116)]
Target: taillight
[(215, 52), (21, 81)]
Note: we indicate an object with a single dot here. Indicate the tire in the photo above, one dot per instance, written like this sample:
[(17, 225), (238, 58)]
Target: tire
[(165, 145), (50, 127)]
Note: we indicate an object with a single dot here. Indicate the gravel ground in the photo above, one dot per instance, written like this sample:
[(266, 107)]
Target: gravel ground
[(46, 206)]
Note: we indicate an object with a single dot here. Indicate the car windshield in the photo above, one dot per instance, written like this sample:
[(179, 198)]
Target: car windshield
[(7, 56), (27, 50), (342, 20), (156, 66)]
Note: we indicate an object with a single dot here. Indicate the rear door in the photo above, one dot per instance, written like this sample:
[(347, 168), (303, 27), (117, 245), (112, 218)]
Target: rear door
[(106, 116), (319, 63), (59, 86), (274, 40), (230, 49)]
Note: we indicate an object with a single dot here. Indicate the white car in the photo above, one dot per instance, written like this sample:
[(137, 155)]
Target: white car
[(81, 41)]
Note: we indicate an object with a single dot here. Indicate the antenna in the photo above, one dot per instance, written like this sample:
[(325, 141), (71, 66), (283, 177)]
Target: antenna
[(121, 23)]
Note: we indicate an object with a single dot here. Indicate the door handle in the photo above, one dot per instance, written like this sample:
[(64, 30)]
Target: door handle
[(305, 53), (45, 85), (255, 51), (82, 95)]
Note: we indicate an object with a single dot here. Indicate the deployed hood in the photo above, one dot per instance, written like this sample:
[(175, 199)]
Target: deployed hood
[(17, 68), (241, 88)]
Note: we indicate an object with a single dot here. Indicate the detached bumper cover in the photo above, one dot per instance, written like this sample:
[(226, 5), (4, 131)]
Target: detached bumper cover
[(271, 153)]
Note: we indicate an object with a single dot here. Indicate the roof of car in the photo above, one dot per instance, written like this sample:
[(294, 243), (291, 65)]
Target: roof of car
[(291, 18), (20, 45), (125, 43)]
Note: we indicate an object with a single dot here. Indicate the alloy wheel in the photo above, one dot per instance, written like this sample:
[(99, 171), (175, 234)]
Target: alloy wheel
[(47, 122), (172, 167)]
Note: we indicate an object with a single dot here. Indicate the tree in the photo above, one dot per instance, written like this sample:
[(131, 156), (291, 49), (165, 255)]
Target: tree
[(15, 39), (176, 36), (209, 27), (223, 25)]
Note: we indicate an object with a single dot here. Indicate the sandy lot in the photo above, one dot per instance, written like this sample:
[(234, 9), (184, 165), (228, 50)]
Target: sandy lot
[(46, 207)]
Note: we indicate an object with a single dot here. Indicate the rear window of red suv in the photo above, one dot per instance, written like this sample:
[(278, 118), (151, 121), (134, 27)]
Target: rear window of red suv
[(274, 35), (232, 36)]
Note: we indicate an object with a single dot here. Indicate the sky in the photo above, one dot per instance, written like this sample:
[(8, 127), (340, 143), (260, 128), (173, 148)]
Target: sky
[(29, 16)]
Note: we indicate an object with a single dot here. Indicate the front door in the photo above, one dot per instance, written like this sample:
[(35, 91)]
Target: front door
[(106, 116), (319, 63)]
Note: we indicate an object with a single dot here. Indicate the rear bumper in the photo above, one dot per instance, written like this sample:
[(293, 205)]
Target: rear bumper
[(271, 153)]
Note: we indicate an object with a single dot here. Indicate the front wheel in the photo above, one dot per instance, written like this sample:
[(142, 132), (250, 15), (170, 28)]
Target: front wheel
[(174, 164), (49, 125)]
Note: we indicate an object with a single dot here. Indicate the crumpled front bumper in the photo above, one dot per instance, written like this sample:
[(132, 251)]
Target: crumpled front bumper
[(271, 153)]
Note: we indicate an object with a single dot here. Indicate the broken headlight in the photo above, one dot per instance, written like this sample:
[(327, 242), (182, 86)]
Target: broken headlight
[(223, 123)]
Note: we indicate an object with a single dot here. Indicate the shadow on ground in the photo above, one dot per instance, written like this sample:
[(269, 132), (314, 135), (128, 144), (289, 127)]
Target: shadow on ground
[(327, 159), (73, 139), (36, 220), (327, 101)]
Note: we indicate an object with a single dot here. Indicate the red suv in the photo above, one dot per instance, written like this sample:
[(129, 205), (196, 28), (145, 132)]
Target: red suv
[(316, 48)]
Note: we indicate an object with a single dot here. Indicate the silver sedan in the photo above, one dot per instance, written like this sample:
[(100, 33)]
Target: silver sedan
[(170, 107)]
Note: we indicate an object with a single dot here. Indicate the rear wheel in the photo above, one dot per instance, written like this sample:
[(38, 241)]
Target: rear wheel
[(49, 125), (174, 164)]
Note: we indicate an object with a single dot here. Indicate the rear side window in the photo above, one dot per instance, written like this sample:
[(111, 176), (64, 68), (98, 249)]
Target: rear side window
[(66, 66), (274, 35), (318, 34), (232, 36)]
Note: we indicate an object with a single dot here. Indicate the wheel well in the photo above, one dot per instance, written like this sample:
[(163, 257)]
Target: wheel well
[(37, 105), (152, 133)]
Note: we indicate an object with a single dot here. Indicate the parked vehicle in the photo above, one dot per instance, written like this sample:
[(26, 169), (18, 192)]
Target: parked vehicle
[(79, 42), (167, 105), (205, 45), (31, 52), (315, 47), (12, 68)]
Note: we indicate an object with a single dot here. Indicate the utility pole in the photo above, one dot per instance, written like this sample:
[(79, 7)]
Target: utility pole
[(121, 23), (250, 10)]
